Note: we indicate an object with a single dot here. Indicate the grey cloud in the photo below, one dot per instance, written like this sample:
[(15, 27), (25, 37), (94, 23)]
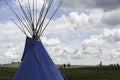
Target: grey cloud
[(107, 4), (90, 4), (111, 18)]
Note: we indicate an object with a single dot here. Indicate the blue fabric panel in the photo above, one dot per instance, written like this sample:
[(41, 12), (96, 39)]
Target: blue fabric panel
[(36, 63)]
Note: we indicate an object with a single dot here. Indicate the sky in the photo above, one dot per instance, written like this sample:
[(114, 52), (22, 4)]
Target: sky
[(83, 32)]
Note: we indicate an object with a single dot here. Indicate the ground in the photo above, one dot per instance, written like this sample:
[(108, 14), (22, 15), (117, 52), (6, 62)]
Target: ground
[(78, 73)]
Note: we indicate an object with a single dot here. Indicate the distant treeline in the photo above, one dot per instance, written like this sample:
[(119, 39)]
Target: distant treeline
[(12, 64), (101, 64), (16, 64)]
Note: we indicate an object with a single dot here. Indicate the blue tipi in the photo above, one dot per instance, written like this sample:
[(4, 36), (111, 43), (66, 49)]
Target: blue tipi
[(36, 64)]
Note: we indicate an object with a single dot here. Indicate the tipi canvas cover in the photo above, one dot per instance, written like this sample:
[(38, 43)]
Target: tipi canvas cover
[(36, 64)]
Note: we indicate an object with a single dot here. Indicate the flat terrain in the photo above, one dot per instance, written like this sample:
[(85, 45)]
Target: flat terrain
[(82, 73), (92, 73)]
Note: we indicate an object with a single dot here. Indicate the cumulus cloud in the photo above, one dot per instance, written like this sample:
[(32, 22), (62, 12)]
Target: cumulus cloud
[(11, 41), (95, 19), (101, 47), (105, 46), (78, 38), (109, 36), (51, 42)]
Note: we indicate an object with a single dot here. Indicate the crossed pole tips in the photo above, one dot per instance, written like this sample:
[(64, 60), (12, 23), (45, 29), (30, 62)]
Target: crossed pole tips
[(32, 21)]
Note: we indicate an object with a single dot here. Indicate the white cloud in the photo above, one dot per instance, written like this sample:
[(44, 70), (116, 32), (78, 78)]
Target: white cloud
[(78, 38), (51, 42), (93, 41), (24, 2), (95, 19), (111, 35), (11, 43), (104, 46)]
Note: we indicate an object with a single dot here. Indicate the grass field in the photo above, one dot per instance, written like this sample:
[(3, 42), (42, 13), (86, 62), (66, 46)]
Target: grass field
[(92, 73), (83, 73)]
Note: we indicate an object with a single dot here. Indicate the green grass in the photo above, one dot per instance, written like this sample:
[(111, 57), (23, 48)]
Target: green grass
[(7, 73), (92, 73), (84, 73)]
